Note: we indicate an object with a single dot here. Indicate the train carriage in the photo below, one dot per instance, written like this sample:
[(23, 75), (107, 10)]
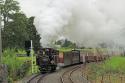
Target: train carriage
[(69, 58)]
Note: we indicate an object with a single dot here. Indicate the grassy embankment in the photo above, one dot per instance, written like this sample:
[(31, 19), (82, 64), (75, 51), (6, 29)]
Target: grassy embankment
[(109, 70)]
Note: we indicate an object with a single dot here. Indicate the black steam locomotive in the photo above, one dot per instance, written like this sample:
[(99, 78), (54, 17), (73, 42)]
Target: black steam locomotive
[(47, 59)]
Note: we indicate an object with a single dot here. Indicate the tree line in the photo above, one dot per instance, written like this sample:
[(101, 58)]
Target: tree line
[(66, 43), (17, 27)]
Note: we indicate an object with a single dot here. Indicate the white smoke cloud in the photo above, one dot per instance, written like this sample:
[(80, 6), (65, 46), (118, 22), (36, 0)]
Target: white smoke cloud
[(85, 22)]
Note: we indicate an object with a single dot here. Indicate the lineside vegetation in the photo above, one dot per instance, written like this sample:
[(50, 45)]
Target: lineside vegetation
[(109, 69)]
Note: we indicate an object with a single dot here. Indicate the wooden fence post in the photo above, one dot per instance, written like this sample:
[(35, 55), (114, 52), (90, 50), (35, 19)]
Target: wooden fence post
[(87, 77), (121, 79), (109, 79), (95, 80), (102, 79)]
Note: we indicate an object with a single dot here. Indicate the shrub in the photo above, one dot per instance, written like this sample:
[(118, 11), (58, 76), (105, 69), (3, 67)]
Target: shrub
[(22, 71), (17, 68)]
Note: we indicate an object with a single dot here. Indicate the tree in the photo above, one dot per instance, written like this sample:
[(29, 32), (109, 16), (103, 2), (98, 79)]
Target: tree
[(15, 34), (33, 33), (65, 43), (17, 27), (19, 30), (8, 8)]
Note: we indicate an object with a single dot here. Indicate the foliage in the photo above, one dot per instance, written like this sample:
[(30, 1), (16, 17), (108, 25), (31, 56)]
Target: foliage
[(64, 49), (21, 51), (8, 8), (66, 43), (16, 30), (15, 34), (33, 33), (17, 27), (114, 65), (17, 68)]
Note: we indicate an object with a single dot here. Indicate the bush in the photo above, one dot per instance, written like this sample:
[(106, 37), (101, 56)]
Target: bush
[(22, 71), (17, 68)]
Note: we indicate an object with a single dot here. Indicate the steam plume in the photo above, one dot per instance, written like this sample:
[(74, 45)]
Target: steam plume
[(85, 22)]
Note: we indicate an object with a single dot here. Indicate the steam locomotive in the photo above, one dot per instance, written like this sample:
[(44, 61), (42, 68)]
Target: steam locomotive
[(47, 59)]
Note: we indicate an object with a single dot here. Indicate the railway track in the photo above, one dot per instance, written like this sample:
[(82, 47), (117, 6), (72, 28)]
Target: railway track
[(37, 78), (33, 78), (41, 78), (67, 75)]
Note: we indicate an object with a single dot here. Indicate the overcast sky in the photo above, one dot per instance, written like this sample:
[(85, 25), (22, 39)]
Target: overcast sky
[(85, 22)]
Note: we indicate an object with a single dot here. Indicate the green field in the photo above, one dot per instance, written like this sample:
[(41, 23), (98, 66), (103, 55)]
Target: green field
[(113, 66)]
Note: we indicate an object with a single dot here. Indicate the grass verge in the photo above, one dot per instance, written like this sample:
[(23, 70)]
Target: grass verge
[(111, 67)]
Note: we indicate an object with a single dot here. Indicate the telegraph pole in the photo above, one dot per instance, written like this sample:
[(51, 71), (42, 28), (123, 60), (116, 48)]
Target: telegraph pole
[(3, 67), (0, 40)]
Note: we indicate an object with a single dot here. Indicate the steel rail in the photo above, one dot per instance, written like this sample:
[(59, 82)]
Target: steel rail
[(33, 78), (41, 78), (70, 71)]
